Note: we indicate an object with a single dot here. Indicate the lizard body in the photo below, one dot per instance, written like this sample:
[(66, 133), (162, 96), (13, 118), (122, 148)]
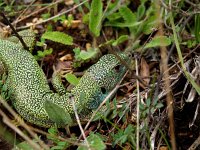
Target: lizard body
[(30, 90)]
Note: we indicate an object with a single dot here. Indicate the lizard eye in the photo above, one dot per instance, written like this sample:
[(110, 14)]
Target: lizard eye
[(117, 68), (103, 90)]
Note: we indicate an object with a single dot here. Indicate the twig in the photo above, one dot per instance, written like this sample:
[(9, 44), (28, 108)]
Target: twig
[(36, 12), (24, 11), (164, 65), (138, 108), (176, 63), (79, 123), (23, 124), (7, 121), (15, 32), (51, 18), (57, 137), (195, 144)]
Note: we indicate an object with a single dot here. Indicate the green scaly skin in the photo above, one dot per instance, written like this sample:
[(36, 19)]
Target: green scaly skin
[(30, 90)]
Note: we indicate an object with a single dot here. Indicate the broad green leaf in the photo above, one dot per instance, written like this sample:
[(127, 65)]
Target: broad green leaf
[(95, 18), (158, 41), (57, 114), (72, 79), (87, 54), (95, 143), (127, 15), (121, 39), (59, 37)]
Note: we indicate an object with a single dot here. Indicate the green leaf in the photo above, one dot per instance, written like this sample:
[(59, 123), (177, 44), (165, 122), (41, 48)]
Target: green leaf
[(45, 52), (41, 54), (130, 18), (148, 102), (116, 42), (95, 18), (130, 129), (159, 105), (46, 16), (53, 131), (107, 43), (121, 39), (88, 54), (24, 146), (57, 114), (77, 51), (95, 143), (155, 102), (86, 18), (114, 16), (152, 20), (127, 15), (158, 41), (140, 11), (61, 18), (72, 79), (59, 37), (60, 146)]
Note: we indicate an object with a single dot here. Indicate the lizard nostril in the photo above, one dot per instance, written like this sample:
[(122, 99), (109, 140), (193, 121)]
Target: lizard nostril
[(103, 90)]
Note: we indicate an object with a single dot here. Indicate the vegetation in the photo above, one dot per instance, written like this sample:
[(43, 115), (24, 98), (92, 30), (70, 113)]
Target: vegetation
[(159, 94)]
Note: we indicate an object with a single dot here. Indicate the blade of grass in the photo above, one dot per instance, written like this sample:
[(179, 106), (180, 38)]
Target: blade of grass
[(197, 88)]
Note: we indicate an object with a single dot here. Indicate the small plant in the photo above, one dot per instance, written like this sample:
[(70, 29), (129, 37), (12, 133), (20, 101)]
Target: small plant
[(55, 36), (5, 93), (82, 56), (123, 136), (59, 145), (72, 79), (95, 142), (150, 107)]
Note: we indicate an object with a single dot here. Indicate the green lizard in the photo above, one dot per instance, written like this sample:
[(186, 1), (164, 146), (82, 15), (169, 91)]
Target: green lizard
[(30, 90)]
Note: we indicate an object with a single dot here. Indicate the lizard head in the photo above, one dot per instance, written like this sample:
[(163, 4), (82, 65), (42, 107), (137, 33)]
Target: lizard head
[(103, 77)]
